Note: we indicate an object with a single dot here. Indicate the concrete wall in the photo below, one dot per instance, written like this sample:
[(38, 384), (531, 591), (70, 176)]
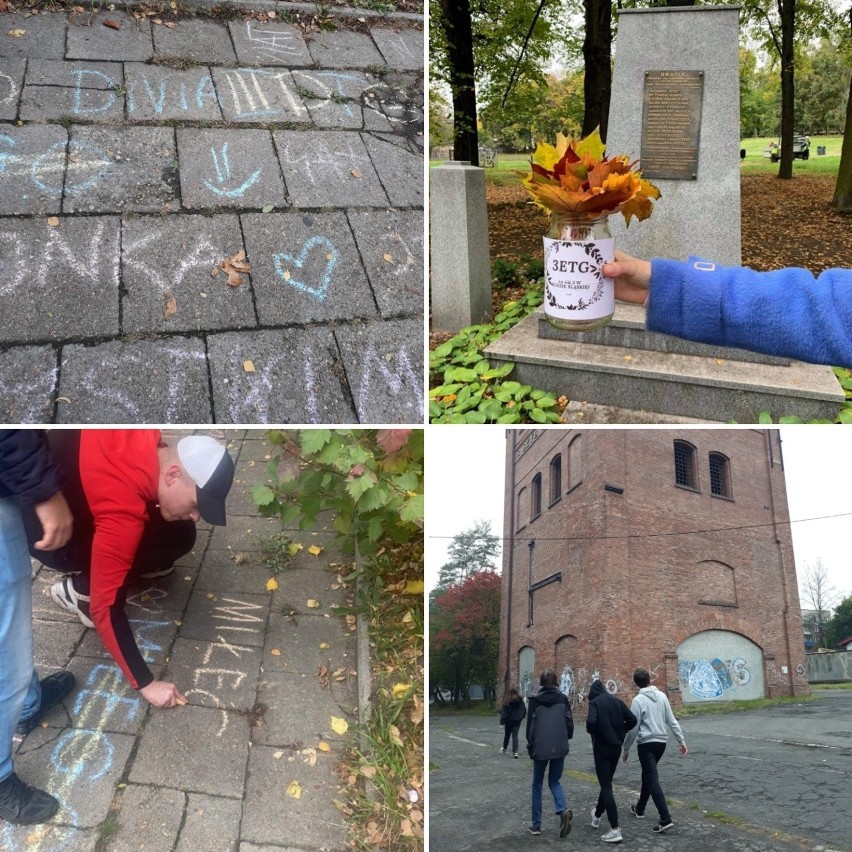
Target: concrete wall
[(825, 668), (716, 665)]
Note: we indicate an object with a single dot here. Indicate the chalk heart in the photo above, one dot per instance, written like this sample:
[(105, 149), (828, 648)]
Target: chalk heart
[(321, 246)]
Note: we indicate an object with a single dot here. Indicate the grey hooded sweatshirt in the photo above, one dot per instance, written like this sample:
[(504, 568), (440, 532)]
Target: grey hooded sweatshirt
[(651, 707)]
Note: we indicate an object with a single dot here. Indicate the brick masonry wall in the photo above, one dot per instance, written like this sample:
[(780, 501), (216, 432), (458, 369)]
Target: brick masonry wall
[(631, 591)]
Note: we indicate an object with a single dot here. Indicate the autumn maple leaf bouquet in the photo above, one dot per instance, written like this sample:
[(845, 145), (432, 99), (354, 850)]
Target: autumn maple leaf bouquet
[(580, 187)]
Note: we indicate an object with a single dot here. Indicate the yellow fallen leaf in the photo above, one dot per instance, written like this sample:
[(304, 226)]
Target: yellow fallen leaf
[(16, 33), (313, 604), (322, 745), (294, 547), (294, 789), (368, 771), (53, 221), (720, 361), (271, 584), (338, 725), (400, 689), (406, 619), (388, 258), (628, 357), (313, 549), (414, 587), (323, 646), (248, 366), (278, 755), (170, 308), (275, 652), (357, 173), (286, 274)]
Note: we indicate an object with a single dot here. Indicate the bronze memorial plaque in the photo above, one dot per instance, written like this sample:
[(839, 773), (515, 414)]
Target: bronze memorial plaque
[(671, 124)]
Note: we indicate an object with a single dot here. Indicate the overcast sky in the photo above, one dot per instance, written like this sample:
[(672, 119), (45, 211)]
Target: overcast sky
[(466, 469)]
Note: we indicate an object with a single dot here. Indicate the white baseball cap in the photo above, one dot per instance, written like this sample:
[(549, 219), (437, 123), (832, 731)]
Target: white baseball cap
[(211, 468)]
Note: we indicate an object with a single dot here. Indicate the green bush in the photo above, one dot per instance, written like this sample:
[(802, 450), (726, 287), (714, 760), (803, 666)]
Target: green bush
[(504, 274)]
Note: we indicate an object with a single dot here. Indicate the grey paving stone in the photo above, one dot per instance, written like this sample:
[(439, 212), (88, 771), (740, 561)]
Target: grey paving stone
[(172, 257), (391, 246), (86, 76), (51, 837), (168, 754), (299, 638), (375, 121), (330, 115), (240, 501), (384, 366), (102, 382), (297, 378), (135, 170), (103, 699), (44, 36), (396, 102), (162, 597), (216, 674), (344, 49), (80, 767), (153, 633), (148, 817), (328, 169), (221, 574), (327, 84), (235, 618), (228, 168), (259, 95), (89, 38), (211, 823), (401, 49), (241, 534), (11, 83), (52, 103), (194, 40), (272, 43), (158, 93), (400, 171), (306, 268), (55, 643), (28, 377), (63, 280), (269, 817), (32, 166)]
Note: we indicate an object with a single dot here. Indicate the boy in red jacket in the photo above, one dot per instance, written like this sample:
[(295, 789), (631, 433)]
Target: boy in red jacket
[(135, 501)]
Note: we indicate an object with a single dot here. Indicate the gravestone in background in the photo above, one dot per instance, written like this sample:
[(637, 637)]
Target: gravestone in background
[(699, 215)]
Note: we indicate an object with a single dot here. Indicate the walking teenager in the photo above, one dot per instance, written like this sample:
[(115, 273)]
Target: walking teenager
[(511, 716), (654, 714), (549, 727), (608, 722)]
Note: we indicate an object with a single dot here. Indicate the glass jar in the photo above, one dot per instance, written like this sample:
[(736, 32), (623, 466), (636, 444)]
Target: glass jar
[(577, 295)]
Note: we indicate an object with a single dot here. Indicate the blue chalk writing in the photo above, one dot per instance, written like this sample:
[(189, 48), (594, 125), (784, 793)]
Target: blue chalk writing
[(223, 176), (79, 108), (319, 292)]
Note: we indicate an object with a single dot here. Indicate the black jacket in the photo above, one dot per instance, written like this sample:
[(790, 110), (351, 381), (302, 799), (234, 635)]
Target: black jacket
[(27, 470), (549, 724), (513, 713), (609, 718)]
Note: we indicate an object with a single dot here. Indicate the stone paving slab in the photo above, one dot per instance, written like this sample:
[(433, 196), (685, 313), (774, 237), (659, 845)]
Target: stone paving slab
[(57, 90), (237, 618), (32, 162), (300, 639), (154, 634), (150, 818), (55, 644), (194, 40), (137, 170), (384, 366), (27, 380), (248, 531), (221, 573), (44, 36), (159, 93), (11, 83), (391, 246), (186, 249), (311, 274), (89, 38), (331, 115), (271, 43), (102, 382), (225, 167), (298, 377), (103, 699), (64, 279), (401, 49), (259, 95), (328, 169), (210, 823), (400, 171), (344, 49), (162, 597), (168, 754)]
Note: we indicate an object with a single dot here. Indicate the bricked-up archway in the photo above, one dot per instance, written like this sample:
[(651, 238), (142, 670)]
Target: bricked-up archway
[(719, 665), (526, 671)]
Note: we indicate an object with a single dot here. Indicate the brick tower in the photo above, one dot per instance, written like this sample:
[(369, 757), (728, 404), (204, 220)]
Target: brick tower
[(662, 548)]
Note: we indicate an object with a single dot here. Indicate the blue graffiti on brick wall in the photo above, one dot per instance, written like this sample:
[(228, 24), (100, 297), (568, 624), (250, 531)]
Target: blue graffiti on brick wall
[(707, 680)]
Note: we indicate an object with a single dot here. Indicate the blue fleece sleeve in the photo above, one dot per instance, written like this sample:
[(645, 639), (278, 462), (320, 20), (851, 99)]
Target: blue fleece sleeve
[(786, 312)]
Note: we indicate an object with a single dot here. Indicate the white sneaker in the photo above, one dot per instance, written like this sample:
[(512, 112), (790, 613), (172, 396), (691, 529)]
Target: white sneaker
[(612, 836), (64, 594), (596, 820), (502, 751)]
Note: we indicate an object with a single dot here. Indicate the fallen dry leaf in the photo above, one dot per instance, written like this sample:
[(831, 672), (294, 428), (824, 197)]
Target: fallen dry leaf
[(388, 258), (357, 173), (170, 308), (338, 725), (53, 221), (234, 266), (113, 25), (170, 25), (368, 771), (414, 587), (400, 689), (275, 652), (323, 646), (313, 604), (313, 549), (322, 745), (271, 584), (248, 366), (17, 33), (294, 789)]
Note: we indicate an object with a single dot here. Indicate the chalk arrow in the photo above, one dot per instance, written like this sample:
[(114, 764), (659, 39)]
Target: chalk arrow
[(223, 176)]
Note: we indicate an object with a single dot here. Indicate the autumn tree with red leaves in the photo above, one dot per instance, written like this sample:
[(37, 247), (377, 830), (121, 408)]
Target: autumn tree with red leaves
[(464, 626)]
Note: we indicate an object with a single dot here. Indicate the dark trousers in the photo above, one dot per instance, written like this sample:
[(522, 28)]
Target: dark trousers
[(511, 728), (606, 762), (162, 544), (649, 757)]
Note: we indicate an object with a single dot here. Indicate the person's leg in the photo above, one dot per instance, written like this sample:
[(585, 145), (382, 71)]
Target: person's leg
[(506, 734), (554, 773), (515, 729), (649, 757), (537, 781), (605, 769), (163, 543)]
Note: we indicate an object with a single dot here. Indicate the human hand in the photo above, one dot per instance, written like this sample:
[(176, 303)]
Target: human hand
[(57, 522), (684, 751), (631, 277), (624, 756), (162, 694)]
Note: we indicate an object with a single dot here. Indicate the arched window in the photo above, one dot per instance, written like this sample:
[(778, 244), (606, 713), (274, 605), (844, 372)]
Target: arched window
[(555, 478), (684, 463), (535, 497), (575, 463), (522, 509), (720, 475)]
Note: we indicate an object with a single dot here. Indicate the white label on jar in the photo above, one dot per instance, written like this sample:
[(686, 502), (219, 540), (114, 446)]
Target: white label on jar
[(575, 287)]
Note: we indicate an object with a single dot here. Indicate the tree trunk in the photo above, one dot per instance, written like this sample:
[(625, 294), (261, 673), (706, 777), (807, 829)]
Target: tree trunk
[(456, 23), (788, 24), (843, 188), (597, 53)]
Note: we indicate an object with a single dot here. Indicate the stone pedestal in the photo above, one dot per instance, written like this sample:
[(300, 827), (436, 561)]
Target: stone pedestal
[(460, 270), (693, 217)]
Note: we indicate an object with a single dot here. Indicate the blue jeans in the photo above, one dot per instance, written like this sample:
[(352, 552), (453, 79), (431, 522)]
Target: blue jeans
[(554, 773), (18, 680)]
